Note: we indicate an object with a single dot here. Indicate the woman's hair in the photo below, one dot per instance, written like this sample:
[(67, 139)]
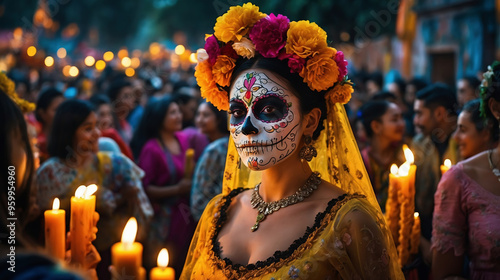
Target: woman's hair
[(372, 111), (116, 87), (151, 123), (308, 98), (220, 117), (69, 116), (99, 99), (491, 124), (13, 123), (44, 100)]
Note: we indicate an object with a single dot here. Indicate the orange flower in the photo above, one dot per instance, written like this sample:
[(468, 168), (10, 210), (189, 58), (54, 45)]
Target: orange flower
[(305, 38), (340, 93), (223, 69), (236, 22), (208, 88), (321, 71)]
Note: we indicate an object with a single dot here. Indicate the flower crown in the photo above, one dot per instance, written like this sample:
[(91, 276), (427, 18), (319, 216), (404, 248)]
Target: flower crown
[(485, 86), (244, 32), (8, 86)]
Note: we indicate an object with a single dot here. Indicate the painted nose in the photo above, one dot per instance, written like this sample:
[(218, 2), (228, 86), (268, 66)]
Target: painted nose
[(248, 127)]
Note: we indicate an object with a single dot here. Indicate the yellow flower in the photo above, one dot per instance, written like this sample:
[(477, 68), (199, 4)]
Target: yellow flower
[(208, 87), (340, 93), (223, 69), (9, 88), (305, 38), (236, 22), (321, 71), (244, 48)]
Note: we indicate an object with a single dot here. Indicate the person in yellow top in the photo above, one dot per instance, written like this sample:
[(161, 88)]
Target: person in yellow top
[(297, 202), (435, 118)]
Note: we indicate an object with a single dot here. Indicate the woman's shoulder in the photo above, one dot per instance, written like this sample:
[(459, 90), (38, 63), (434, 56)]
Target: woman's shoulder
[(51, 164)]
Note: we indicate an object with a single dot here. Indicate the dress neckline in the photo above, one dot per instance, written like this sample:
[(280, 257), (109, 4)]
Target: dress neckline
[(279, 258)]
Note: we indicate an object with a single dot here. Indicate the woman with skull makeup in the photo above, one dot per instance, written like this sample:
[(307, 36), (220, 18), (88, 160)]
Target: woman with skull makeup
[(309, 211)]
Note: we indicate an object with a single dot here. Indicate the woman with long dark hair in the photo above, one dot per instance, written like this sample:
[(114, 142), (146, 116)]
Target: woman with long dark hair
[(160, 147)]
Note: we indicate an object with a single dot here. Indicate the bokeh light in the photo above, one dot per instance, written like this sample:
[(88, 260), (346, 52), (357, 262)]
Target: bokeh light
[(129, 72), (126, 62), (135, 62), (179, 50), (100, 65), (89, 61), (108, 56), (65, 70), (49, 61), (73, 71), (31, 51), (193, 58), (61, 53)]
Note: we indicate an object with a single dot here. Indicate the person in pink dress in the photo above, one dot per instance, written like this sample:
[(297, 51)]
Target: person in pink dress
[(160, 146), (466, 223)]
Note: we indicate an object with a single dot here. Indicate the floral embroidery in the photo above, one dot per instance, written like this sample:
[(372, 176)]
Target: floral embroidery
[(293, 272)]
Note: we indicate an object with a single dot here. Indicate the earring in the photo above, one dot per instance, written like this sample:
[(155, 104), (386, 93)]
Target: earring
[(308, 151)]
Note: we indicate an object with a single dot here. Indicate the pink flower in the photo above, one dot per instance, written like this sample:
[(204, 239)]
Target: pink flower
[(269, 35), (229, 51), (212, 48), (295, 62), (342, 64)]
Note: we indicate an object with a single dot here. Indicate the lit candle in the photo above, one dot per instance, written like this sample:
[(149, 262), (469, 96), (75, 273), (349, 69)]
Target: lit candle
[(55, 231), (445, 166), (126, 256), (82, 220), (411, 174), (392, 204), (162, 272), (415, 234), (406, 210), (189, 163)]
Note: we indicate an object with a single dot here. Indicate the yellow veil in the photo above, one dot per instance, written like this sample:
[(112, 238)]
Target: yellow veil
[(339, 160)]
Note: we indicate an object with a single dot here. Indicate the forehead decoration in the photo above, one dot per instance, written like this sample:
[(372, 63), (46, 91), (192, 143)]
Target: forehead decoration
[(245, 33)]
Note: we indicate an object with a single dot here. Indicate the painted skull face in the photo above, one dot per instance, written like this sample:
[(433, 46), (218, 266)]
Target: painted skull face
[(265, 119)]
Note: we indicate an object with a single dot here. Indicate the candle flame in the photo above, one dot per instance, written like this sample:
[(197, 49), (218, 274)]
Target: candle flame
[(408, 154), (447, 163), (394, 169), (415, 214), (80, 192), (90, 190), (129, 232), (404, 169), (163, 258), (56, 204)]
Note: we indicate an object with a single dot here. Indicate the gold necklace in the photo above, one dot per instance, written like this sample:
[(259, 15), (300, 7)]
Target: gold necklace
[(267, 208), (494, 169)]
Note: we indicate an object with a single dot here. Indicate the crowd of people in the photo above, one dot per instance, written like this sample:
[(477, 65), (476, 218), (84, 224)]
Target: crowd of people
[(129, 136)]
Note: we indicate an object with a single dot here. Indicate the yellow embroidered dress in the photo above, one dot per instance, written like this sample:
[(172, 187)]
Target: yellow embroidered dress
[(335, 247)]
